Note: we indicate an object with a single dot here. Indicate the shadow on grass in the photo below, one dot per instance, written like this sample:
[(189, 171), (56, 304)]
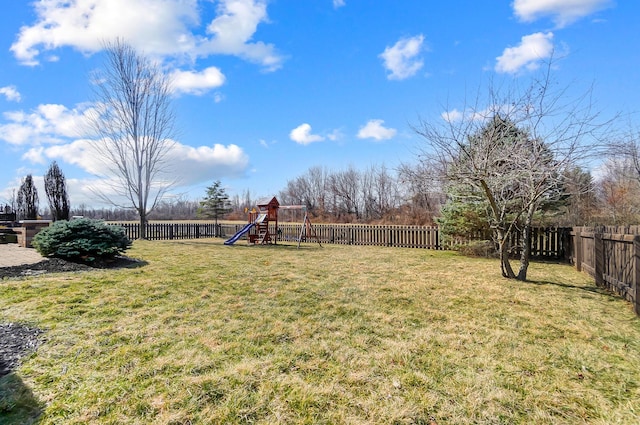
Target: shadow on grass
[(586, 288), (18, 405)]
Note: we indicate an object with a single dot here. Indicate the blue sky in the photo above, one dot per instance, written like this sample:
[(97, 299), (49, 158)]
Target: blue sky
[(266, 89)]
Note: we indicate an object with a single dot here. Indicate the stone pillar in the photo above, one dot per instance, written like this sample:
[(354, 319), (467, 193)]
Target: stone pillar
[(28, 229)]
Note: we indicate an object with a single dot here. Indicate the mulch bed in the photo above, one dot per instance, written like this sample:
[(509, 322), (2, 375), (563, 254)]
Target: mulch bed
[(57, 265), (16, 341)]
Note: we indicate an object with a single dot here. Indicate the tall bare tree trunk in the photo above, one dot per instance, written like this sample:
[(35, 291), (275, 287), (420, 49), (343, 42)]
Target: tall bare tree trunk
[(503, 248), (525, 254), (134, 130), (143, 225)]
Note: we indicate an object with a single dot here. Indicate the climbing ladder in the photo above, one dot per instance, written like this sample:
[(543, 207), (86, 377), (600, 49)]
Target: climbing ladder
[(262, 227)]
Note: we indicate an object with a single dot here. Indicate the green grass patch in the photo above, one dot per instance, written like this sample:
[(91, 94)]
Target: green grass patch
[(208, 334)]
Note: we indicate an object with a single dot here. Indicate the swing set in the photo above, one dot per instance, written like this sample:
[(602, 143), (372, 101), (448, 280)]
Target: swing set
[(259, 230)]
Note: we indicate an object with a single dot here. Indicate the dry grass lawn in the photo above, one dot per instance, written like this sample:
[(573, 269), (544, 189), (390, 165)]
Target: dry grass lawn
[(211, 334)]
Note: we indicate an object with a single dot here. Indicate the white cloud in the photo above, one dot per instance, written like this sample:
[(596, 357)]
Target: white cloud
[(55, 132), (80, 152), (11, 93), (338, 3), (159, 28), (452, 115), (218, 97), (194, 82), (188, 165), (528, 54), (335, 135), (47, 124), (35, 155), (234, 26), (193, 165), (563, 12), (483, 115), (455, 115), (375, 130), (302, 135), (402, 60)]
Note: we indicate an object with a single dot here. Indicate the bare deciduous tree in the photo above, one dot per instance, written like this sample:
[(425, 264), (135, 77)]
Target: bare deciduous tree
[(361, 195), (513, 148), (422, 189), (56, 189), (27, 199), (134, 123), (619, 192), (627, 147), (346, 191)]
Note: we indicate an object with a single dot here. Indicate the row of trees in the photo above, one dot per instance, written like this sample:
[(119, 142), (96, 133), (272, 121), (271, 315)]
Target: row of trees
[(26, 203), (414, 197), (417, 196), (375, 194)]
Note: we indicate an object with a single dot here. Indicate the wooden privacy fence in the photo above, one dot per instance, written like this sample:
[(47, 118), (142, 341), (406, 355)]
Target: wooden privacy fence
[(168, 231), (547, 243), (426, 237), (612, 256)]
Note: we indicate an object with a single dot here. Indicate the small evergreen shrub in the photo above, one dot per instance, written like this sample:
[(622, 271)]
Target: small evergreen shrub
[(85, 240)]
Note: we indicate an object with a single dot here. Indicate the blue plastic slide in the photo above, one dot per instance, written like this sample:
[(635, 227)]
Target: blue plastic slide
[(238, 235)]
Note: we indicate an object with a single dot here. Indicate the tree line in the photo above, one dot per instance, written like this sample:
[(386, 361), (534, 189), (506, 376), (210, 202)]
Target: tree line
[(375, 194)]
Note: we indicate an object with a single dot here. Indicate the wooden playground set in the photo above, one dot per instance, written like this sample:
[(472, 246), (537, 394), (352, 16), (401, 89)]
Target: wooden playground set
[(262, 226)]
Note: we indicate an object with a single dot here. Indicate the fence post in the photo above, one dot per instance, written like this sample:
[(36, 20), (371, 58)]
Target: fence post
[(577, 249), (635, 288), (563, 241), (599, 258)]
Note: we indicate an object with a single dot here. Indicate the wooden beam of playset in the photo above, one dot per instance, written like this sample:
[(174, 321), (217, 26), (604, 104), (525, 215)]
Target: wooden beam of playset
[(293, 207)]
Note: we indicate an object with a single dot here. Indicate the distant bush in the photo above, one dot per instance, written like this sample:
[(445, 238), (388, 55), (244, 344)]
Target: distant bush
[(485, 249), (85, 240)]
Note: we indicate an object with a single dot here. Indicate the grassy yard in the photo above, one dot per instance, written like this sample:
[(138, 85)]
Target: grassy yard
[(208, 334)]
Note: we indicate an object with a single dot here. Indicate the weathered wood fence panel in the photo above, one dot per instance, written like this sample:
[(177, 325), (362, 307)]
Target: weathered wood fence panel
[(169, 231), (547, 243), (612, 256)]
